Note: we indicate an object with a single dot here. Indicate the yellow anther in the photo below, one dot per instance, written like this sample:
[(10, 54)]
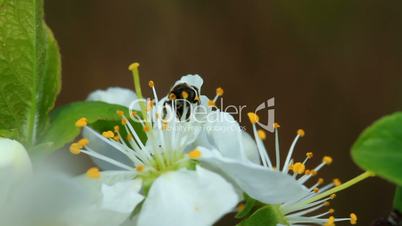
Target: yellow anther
[(83, 142), (336, 182), (219, 91), (276, 125), (261, 134), (129, 137), (151, 84), (93, 173), (133, 66), (240, 207), (108, 134), (195, 154), (307, 172), (253, 117), (120, 113), (116, 128), (331, 211), (146, 128), (316, 190), (309, 155), (133, 113), (124, 121), (313, 172), (320, 181), (353, 218), (327, 160), (327, 203), (331, 220), (298, 168), (139, 168), (75, 148), (300, 133), (81, 122), (332, 196), (211, 103), (172, 96), (116, 138), (184, 94)]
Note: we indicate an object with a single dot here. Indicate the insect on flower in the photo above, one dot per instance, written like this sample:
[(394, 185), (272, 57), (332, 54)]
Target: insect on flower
[(162, 171), (181, 97)]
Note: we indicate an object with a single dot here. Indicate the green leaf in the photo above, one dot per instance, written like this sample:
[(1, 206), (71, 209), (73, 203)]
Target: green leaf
[(29, 69), (379, 148), (248, 207), (398, 199), (269, 215), (62, 128), (51, 83), (9, 133), (104, 125)]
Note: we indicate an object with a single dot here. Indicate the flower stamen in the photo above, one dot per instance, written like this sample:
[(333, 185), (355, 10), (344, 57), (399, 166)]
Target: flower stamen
[(82, 122), (353, 218), (194, 154), (253, 117), (75, 148), (93, 173), (108, 134)]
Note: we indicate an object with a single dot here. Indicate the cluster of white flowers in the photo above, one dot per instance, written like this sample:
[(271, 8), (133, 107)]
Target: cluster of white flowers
[(193, 166)]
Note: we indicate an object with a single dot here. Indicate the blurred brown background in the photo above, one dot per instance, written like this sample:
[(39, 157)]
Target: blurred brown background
[(333, 66)]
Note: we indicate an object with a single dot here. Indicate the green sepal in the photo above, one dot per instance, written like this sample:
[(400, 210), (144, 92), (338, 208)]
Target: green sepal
[(249, 204), (269, 215)]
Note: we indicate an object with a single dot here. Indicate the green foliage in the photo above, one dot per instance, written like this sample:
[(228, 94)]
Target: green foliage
[(379, 148), (62, 128), (398, 199), (248, 207), (29, 70), (51, 83), (30, 80), (269, 215), (104, 125)]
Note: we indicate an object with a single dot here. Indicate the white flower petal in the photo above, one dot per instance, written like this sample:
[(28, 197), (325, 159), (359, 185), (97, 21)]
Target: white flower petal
[(113, 197), (109, 177), (184, 198), (261, 183), (192, 80), (99, 144), (94, 216), (44, 199), (114, 95), (121, 197), (224, 134), (14, 157), (250, 148), (15, 164)]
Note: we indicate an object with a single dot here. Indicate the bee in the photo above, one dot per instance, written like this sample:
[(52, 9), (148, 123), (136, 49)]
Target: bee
[(181, 98)]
